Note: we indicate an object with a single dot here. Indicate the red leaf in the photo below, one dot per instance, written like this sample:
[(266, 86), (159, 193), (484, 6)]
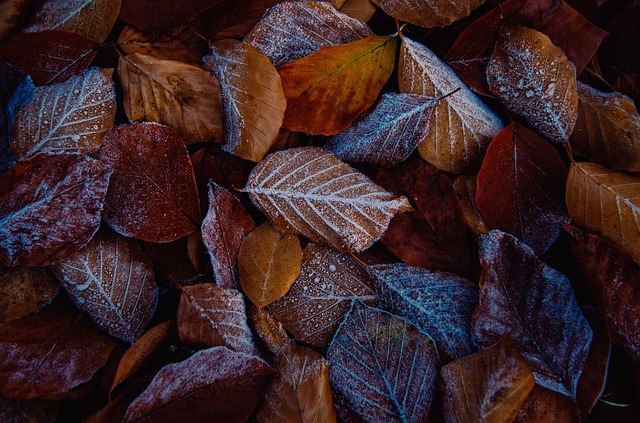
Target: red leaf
[(160, 14), (235, 18)]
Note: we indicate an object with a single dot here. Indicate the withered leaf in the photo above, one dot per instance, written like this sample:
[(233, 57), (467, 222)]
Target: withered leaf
[(361, 10), (111, 280), (462, 125), (292, 30), (383, 367), (521, 187), (154, 14), (12, 15), (235, 18), (429, 13), (216, 384), (309, 191), (50, 352), (547, 406), (488, 386), (253, 102), (534, 79), (606, 202), (174, 93), (153, 194), (16, 88), (328, 89), (521, 295), (69, 116), (268, 261), (388, 134), (210, 316), (50, 207), (271, 332), (173, 260), (328, 285), (25, 291), (465, 188), (224, 227), (440, 304)]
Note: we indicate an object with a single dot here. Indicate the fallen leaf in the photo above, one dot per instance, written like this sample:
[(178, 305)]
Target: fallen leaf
[(50, 207), (236, 18), (216, 384), (16, 88), (440, 304), (328, 285), (547, 406), (154, 14), (521, 295), (361, 10), (384, 368), (253, 102), (273, 335), (388, 134), (462, 125), (465, 188), (50, 353), (25, 291), (111, 280), (173, 93), (293, 30), (534, 79), (12, 16), (211, 164), (521, 187), (606, 202), (607, 130), (428, 13), (488, 386), (172, 261), (153, 194), (620, 48), (312, 193), (70, 116), (328, 89)]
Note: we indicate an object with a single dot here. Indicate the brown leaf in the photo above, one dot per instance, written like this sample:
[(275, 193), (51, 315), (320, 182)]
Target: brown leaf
[(310, 192), (50, 207), (161, 14), (25, 291), (172, 260), (361, 10), (328, 285), (465, 188), (111, 280), (328, 89), (270, 330), (224, 227), (12, 16), (269, 261), (50, 353), (235, 18), (488, 386), (546, 406), (534, 79), (216, 384), (153, 194), (28, 411), (253, 102), (428, 13)]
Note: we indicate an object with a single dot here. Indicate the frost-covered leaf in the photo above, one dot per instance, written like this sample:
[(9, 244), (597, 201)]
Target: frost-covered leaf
[(462, 125), (292, 30), (388, 134), (269, 261), (383, 367), (438, 303), (328, 285), (174, 93), (465, 188), (328, 89), (606, 202), (16, 88), (111, 280), (71, 116), (534, 79), (25, 291), (210, 316), (521, 295), (253, 102), (309, 191), (50, 207), (153, 194), (428, 13)]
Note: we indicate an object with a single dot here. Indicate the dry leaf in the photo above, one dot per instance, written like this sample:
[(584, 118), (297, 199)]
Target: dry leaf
[(12, 15), (606, 202), (465, 188), (235, 18), (328, 89), (547, 406), (253, 102), (428, 13), (269, 262), (534, 79), (361, 10), (111, 280), (271, 332), (154, 14), (462, 125), (176, 94), (25, 291), (16, 88), (311, 192), (71, 116)]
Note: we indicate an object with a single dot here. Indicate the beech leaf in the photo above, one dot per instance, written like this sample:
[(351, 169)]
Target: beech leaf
[(154, 14), (271, 332), (545, 405), (595, 374), (310, 192), (234, 19), (12, 15), (361, 10), (465, 188), (25, 291), (428, 13), (16, 88)]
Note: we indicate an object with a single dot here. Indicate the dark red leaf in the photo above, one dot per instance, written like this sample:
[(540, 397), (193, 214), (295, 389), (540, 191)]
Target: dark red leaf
[(174, 261), (622, 48), (546, 406), (16, 88), (161, 14), (235, 18)]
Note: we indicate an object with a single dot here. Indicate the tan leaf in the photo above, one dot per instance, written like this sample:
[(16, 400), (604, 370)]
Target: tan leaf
[(428, 13), (309, 191), (607, 130), (361, 10), (176, 94), (270, 330), (462, 126), (534, 79), (71, 116), (25, 291), (91, 18), (269, 262), (606, 202), (253, 101), (465, 188)]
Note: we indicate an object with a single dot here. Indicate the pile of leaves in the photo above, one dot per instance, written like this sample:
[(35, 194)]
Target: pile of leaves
[(319, 211)]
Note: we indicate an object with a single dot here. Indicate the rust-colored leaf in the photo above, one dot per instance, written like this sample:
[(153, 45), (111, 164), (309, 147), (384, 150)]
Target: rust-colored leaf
[(271, 332), (174, 261), (235, 18), (25, 291), (465, 188), (428, 13), (361, 10), (547, 406)]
